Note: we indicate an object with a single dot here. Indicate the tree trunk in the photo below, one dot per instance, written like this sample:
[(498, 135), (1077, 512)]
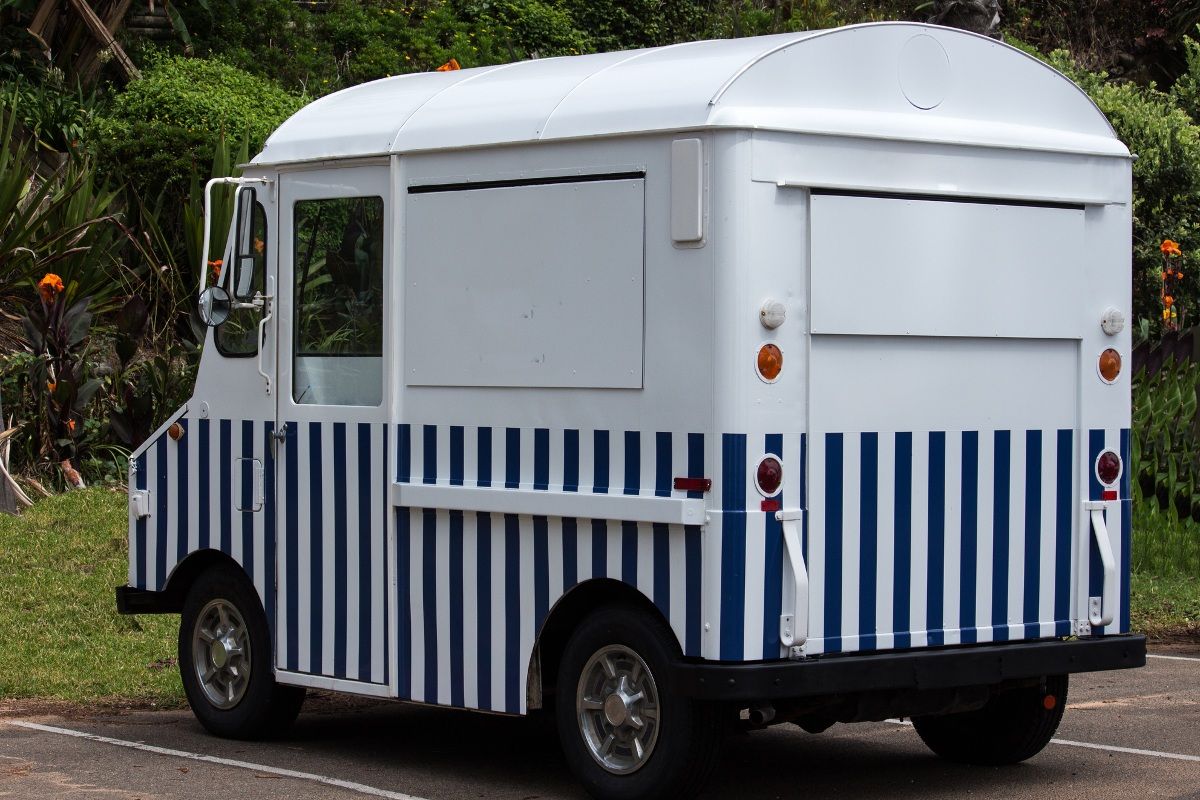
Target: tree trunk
[(977, 16)]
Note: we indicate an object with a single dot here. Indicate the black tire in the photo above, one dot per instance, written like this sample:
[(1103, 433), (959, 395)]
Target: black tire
[(689, 732), (263, 708), (1013, 726)]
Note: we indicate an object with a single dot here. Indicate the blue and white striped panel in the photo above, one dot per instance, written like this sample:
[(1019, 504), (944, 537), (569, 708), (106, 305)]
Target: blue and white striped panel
[(196, 484), (940, 537), (332, 581), (1117, 517), (476, 588)]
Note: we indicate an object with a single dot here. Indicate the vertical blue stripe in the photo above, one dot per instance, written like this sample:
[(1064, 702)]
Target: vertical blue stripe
[(629, 552), (483, 649), (599, 548), (456, 455), (692, 585), (834, 532), (1062, 533), (140, 544), (733, 545), (662, 568), (600, 459), (341, 578), (662, 464), (291, 550), (270, 590), (404, 585), (935, 575), (902, 580), (541, 459), (570, 460), (633, 462), (365, 535), (484, 457), (162, 473), (404, 453), (804, 492), (204, 479), (429, 467), (316, 527), (1095, 492), (1001, 471), (541, 571), (457, 683), (868, 526), (570, 543), (969, 563), (181, 493), (429, 600), (695, 457), (773, 562), (1126, 531), (248, 465), (1033, 532), (514, 675), (512, 458)]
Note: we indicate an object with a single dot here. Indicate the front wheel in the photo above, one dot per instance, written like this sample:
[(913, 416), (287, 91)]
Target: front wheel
[(624, 733), (225, 660), (1014, 725)]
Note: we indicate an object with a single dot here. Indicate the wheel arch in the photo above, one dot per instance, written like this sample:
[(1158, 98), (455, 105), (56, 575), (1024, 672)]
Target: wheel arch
[(570, 609), (192, 567)]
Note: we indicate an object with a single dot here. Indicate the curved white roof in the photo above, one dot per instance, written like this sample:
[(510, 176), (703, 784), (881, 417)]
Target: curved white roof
[(886, 80)]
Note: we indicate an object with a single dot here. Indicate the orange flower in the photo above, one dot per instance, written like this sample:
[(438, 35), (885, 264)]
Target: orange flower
[(49, 287), (1170, 248), (449, 66), (1168, 301), (258, 245), (71, 425), (215, 266), (51, 386), (1179, 275)]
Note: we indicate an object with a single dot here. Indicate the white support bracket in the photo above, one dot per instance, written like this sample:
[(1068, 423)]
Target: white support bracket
[(1101, 610), (793, 626)]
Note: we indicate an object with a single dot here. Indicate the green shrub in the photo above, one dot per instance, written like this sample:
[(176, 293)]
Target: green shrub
[(161, 128)]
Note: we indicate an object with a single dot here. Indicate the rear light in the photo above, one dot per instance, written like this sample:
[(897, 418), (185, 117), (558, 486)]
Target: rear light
[(1108, 467), (769, 363), (1110, 365), (769, 476)]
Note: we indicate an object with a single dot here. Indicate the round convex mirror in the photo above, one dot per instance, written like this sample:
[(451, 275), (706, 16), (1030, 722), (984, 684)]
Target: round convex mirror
[(214, 306)]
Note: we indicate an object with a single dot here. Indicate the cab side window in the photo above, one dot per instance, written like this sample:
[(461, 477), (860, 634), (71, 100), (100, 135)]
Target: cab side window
[(237, 337)]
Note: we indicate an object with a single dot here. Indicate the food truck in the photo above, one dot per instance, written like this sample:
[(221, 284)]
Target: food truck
[(767, 380)]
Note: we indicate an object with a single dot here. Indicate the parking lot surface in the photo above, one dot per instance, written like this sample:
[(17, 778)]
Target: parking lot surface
[(1133, 733)]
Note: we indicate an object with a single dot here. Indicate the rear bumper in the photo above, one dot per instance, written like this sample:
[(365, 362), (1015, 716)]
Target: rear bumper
[(143, 601), (940, 668)]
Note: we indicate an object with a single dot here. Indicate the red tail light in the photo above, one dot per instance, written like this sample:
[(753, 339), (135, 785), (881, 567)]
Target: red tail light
[(769, 476), (1108, 467)]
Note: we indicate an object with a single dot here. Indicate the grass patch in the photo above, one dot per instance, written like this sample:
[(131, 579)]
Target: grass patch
[(1163, 542), (1165, 607), (63, 638)]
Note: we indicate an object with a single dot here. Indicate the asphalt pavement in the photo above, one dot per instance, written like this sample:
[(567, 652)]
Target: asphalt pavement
[(1133, 733)]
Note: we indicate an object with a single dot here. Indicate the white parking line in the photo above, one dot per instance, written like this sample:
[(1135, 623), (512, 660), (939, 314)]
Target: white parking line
[(1173, 658), (1090, 746), (226, 762)]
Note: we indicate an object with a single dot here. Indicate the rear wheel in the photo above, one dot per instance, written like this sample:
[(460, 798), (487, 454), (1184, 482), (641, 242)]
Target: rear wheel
[(225, 660), (624, 733), (1014, 725)]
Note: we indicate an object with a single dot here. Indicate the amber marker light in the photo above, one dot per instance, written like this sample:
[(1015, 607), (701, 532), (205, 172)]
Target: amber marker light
[(175, 431), (1110, 365), (770, 362)]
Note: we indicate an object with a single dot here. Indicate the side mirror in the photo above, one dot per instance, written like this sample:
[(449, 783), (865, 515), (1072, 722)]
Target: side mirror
[(215, 306)]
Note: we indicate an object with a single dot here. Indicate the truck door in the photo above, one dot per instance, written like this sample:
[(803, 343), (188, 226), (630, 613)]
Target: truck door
[(331, 410)]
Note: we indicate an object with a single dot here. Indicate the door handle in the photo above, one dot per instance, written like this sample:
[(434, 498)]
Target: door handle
[(1100, 609), (793, 627), (268, 309)]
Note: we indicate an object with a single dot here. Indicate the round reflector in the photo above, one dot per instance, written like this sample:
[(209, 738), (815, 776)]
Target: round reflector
[(769, 476), (1108, 467), (770, 362), (1110, 365)]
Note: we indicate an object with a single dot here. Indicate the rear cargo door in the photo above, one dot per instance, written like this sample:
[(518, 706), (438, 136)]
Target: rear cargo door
[(944, 408)]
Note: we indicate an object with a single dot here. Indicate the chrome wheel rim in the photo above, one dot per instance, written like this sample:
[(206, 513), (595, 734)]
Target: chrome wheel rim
[(617, 707), (221, 653)]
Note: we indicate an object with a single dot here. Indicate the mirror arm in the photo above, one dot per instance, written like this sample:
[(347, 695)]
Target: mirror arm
[(208, 187)]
